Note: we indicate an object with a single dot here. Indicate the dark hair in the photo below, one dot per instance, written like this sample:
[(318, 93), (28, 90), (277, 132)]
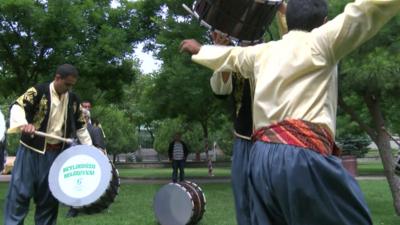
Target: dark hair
[(95, 121), (306, 14), (66, 70)]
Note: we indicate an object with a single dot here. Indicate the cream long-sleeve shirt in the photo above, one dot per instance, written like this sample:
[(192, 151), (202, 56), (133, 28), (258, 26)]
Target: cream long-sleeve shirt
[(296, 77)]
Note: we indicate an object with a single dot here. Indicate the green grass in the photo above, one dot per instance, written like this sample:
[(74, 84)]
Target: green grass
[(380, 202), (370, 168), (364, 168), (167, 172), (134, 206)]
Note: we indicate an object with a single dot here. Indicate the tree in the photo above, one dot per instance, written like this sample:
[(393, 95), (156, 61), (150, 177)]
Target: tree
[(368, 81), (36, 36), (181, 88), (121, 135), (191, 135)]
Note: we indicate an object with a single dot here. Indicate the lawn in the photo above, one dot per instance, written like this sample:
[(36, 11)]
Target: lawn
[(134, 206), (370, 168), (167, 172), (364, 168)]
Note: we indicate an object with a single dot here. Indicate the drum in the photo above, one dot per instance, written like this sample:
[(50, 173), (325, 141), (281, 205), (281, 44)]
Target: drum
[(84, 178), (244, 20), (179, 204)]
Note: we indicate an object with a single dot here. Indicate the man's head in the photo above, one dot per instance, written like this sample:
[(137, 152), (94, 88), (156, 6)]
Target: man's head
[(177, 136), (65, 78), (306, 15), (86, 105)]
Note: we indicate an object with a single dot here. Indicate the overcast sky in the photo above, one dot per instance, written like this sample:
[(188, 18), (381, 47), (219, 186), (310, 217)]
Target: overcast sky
[(148, 63)]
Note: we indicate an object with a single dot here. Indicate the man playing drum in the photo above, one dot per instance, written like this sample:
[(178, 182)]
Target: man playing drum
[(239, 89), (294, 174), (51, 108)]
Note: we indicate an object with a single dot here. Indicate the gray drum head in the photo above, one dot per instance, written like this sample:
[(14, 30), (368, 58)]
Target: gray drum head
[(80, 175), (173, 205)]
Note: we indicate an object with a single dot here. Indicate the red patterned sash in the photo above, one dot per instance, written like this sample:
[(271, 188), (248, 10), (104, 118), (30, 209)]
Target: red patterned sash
[(299, 133)]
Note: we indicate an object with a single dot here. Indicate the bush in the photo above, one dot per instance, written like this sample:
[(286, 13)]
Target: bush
[(354, 146)]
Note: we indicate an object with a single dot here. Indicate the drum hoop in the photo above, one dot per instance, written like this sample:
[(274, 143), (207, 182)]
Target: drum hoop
[(201, 190), (105, 178)]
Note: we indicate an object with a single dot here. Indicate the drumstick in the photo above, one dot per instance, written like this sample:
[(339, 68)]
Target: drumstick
[(195, 15), (66, 140)]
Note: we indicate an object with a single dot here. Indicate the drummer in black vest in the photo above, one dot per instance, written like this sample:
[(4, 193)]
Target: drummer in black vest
[(240, 91), (238, 88), (51, 108)]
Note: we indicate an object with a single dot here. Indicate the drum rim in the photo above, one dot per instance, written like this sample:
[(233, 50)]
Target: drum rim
[(105, 178)]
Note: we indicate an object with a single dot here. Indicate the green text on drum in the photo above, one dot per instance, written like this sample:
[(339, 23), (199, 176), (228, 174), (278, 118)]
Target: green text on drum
[(69, 171)]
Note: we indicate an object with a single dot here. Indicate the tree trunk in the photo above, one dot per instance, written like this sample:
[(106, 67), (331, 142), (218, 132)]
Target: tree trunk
[(206, 147), (382, 140), (114, 157), (197, 156), (385, 152)]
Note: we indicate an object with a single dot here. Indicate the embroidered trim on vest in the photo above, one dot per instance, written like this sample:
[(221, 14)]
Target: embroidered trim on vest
[(299, 133)]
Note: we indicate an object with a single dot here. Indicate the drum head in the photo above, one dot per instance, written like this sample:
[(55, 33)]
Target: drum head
[(80, 175), (173, 205)]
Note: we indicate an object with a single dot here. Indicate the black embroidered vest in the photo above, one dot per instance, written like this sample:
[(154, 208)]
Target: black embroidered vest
[(36, 102)]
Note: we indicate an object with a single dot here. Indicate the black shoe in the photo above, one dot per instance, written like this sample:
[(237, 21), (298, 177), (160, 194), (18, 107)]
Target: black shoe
[(71, 213)]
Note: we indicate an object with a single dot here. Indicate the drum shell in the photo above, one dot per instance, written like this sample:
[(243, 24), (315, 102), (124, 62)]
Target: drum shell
[(245, 20), (201, 196), (106, 199)]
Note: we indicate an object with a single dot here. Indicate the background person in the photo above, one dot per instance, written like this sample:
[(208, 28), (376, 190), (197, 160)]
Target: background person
[(177, 153)]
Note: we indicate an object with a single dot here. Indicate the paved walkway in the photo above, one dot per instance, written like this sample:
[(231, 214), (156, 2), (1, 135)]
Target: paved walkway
[(198, 180)]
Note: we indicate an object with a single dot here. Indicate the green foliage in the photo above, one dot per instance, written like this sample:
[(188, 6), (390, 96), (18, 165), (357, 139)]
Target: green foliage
[(223, 135), (121, 134), (350, 137), (12, 139), (191, 135), (368, 82), (181, 89), (37, 36), (352, 145)]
